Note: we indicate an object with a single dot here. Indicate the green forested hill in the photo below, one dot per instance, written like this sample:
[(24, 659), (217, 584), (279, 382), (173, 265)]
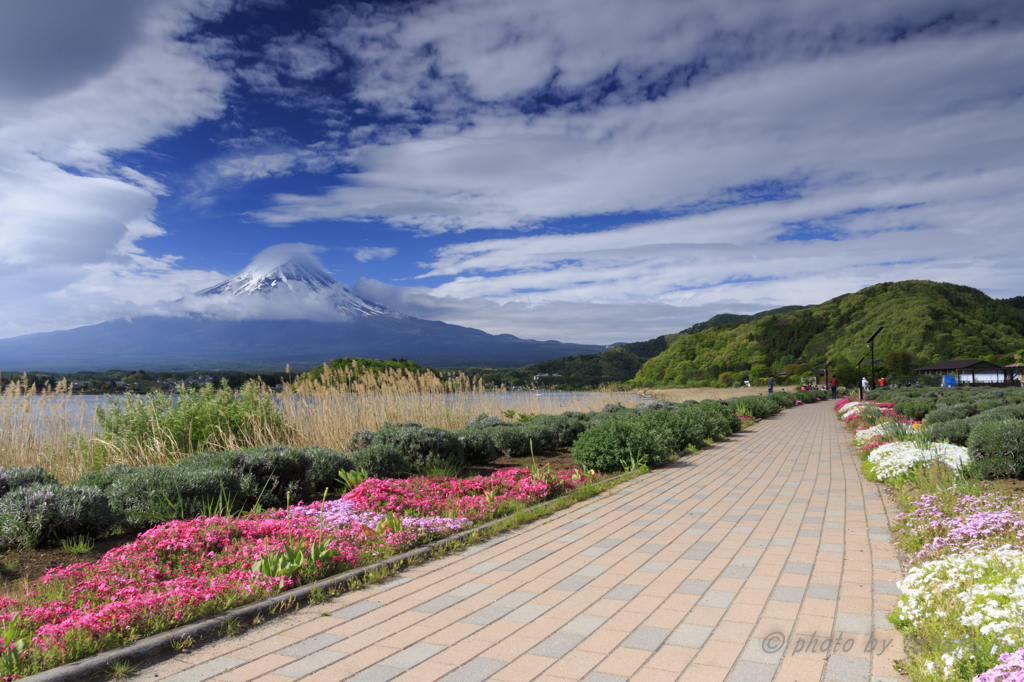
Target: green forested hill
[(929, 320), (620, 363), (578, 371)]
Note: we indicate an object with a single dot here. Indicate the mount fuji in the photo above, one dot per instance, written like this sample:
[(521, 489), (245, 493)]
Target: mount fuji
[(283, 308)]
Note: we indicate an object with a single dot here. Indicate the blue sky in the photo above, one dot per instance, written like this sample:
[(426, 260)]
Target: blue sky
[(580, 170)]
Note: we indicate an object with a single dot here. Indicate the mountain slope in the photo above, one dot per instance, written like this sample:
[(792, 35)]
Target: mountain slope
[(622, 362), (203, 343), (933, 321)]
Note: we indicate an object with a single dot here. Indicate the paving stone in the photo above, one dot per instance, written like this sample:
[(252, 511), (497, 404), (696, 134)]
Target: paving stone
[(754, 650), (646, 638), (886, 587), (646, 534), (608, 542), (360, 608), (451, 598), (831, 547), (847, 669), (700, 550), (476, 670), (782, 542), (603, 677), (311, 663), (413, 656), (690, 636), (717, 599), (816, 591), (786, 593), (583, 625), (798, 568), (310, 644), (484, 567), (487, 615), (650, 548), (749, 671), (527, 613), (886, 564), (624, 592), (654, 567), (573, 583), (205, 671), (557, 644), (528, 559), (853, 623)]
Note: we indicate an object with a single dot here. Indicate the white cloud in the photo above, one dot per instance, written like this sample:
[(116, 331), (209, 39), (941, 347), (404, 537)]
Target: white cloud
[(70, 218), (369, 253), (885, 115)]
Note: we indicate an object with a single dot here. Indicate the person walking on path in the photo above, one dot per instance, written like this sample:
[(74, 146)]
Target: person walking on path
[(771, 383), (835, 387), (865, 386)]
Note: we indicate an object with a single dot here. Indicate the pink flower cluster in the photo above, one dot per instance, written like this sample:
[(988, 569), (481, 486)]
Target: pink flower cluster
[(181, 571), (1010, 668), (969, 523), (477, 498)]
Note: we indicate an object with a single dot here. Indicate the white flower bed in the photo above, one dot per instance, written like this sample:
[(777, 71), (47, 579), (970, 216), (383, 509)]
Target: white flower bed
[(979, 599), (864, 435), (850, 407), (893, 459)]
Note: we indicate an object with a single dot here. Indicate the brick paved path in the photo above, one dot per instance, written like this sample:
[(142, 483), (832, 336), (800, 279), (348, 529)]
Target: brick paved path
[(682, 574)]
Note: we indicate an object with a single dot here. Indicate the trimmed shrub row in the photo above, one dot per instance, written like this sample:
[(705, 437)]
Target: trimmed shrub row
[(38, 511)]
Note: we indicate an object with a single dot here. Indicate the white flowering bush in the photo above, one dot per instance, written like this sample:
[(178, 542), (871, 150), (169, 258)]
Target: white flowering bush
[(895, 459), (850, 407), (961, 612), (864, 436)]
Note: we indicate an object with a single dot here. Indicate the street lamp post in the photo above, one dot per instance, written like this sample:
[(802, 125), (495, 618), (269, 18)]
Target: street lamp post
[(859, 384), (871, 345), (827, 385)]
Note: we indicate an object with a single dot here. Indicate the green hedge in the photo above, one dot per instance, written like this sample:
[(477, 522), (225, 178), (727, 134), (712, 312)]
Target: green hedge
[(639, 436), (997, 447), (43, 514)]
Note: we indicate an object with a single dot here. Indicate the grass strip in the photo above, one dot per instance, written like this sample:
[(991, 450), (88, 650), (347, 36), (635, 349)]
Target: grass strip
[(234, 621)]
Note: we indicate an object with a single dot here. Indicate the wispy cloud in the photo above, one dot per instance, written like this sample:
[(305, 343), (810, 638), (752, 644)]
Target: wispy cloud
[(369, 253)]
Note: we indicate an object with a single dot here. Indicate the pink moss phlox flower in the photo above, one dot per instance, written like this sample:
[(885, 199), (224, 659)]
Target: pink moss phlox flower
[(975, 522), (1010, 668), (198, 568), (476, 498), (344, 512)]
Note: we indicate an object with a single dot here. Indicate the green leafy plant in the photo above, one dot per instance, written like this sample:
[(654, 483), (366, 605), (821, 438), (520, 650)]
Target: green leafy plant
[(634, 463), (285, 563), (10, 661), (348, 480), (390, 522), (79, 544)]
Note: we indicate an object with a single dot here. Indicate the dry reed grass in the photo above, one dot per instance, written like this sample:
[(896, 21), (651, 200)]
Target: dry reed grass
[(56, 430), (48, 428), (328, 410)]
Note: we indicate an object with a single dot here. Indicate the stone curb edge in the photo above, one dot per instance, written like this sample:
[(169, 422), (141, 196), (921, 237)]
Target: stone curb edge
[(155, 645)]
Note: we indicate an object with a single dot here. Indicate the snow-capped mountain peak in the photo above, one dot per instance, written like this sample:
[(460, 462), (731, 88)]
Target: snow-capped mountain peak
[(293, 268)]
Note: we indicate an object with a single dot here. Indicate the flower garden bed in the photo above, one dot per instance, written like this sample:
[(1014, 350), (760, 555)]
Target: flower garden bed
[(962, 602), (183, 571)]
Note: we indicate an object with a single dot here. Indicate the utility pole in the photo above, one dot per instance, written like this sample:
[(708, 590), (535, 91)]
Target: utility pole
[(859, 384), (871, 345)]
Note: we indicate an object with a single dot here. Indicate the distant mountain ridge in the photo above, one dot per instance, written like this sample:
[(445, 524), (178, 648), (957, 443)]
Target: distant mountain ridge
[(290, 282), (933, 321)]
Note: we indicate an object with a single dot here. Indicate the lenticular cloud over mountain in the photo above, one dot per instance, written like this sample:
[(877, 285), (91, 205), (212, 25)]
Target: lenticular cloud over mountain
[(283, 282)]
